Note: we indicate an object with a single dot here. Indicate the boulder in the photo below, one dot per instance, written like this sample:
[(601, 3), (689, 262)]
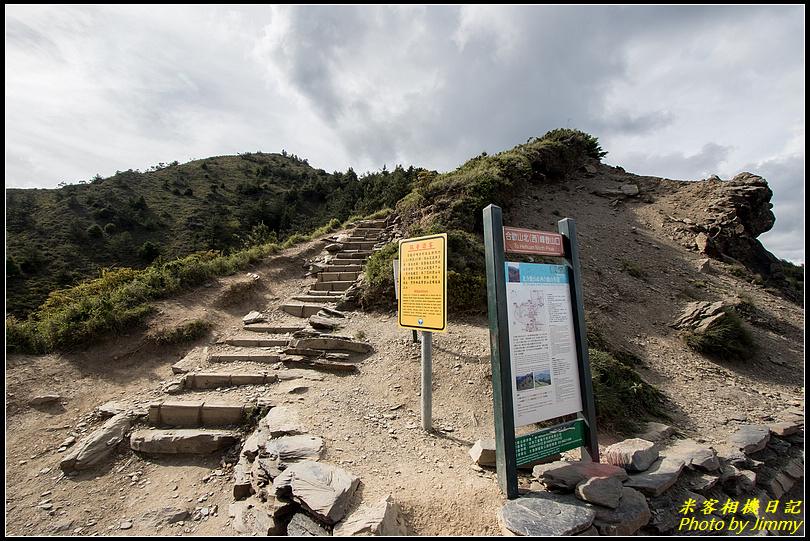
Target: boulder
[(291, 449), (630, 515), (302, 525), (562, 475), (194, 360), (605, 491), (483, 452), (657, 478), (253, 317), (694, 456), (699, 315), (382, 518), (252, 517), (282, 421), (750, 438)]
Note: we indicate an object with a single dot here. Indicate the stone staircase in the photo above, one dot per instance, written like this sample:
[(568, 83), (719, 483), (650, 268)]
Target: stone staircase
[(196, 426), (339, 271)]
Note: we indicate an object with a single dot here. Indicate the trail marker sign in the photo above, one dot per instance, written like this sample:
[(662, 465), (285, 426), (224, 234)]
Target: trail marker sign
[(539, 349)]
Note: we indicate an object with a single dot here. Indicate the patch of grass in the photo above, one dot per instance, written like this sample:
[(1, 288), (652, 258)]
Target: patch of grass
[(250, 421), (738, 271), (118, 301), (189, 332), (622, 399), (728, 339), (633, 269)]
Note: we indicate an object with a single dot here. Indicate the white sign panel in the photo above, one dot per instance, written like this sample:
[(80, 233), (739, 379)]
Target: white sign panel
[(545, 374)]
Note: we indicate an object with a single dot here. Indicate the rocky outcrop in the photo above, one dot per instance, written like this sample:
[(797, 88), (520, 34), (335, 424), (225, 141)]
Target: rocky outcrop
[(738, 211)]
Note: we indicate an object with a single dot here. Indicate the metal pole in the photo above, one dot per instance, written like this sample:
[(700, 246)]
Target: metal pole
[(427, 380)]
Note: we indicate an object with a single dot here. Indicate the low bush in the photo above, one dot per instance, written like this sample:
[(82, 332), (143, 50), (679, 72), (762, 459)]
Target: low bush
[(727, 338), (622, 399)]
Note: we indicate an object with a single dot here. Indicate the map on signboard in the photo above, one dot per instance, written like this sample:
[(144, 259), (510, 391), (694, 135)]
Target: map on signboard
[(528, 312)]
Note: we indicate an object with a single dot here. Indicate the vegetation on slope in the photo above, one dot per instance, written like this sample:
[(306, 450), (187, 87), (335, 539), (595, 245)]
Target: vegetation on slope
[(452, 203), (121, 298), (59, 238)]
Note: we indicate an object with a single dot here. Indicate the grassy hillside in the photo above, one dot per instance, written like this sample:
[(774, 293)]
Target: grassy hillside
[(452, 202), (61, 237)]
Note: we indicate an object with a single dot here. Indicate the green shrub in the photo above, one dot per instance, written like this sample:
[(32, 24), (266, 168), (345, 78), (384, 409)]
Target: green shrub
[(466, 291), (148, 251), (12, 268), (727, 338), (378, 281), (622, 399), (95, 231)]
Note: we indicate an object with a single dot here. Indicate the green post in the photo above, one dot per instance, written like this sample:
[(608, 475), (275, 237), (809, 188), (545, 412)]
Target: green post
[(568, 230), (505, 455)]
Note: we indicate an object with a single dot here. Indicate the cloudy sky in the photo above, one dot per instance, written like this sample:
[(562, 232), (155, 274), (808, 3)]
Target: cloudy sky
[(681, 92)]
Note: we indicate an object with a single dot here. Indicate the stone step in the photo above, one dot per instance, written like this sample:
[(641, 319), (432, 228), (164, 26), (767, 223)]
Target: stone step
[(333, 344), (184, 413), (243, 356), (359, 245), (301, 310), (272, 329), (182, 441), (353, 253), (356, 267), (204, 380), (309, 299), (337, 276), (328, 286), (256, 342)]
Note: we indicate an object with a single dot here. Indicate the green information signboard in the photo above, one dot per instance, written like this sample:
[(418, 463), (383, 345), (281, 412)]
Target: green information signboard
[(539, 347)]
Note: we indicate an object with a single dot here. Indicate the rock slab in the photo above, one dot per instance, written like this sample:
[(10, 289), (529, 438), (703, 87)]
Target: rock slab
[(200, 442), (382, 518), (97, 446), (562, 475), (545, 514), (322, 489), (631, 514)]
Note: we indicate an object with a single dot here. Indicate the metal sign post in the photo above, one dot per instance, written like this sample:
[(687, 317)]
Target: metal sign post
[(540, 365)]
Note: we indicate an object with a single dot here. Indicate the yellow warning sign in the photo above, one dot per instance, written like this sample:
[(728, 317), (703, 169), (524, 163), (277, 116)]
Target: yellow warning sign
[(423, 284)]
